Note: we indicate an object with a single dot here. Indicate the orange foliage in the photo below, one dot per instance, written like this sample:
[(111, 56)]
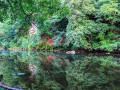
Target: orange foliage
[(50, 42)]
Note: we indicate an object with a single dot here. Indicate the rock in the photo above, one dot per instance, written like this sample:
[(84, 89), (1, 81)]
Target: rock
[(107, 53), (33, 29), (70, 52)]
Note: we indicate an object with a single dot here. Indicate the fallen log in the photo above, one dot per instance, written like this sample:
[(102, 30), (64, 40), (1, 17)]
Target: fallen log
[(9, 88)]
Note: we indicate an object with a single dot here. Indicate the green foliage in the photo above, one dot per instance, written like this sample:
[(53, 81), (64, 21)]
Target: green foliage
[(12, 44), (9, 31), (94, 25), (86, 24), (110, 11), (20, 14)]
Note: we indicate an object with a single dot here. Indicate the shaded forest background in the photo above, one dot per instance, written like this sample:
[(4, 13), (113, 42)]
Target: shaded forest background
[(67, 24)]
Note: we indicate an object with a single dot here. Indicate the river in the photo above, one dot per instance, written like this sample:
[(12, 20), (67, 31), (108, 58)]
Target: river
[(57, 71)]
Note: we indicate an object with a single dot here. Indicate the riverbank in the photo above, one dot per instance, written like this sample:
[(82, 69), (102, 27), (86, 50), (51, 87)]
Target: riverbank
[(77, 52)]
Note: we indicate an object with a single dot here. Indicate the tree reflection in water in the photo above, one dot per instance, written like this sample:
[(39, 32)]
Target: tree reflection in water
[(49, 71)]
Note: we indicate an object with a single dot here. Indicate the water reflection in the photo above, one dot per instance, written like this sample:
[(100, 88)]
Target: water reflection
[(48, 71)]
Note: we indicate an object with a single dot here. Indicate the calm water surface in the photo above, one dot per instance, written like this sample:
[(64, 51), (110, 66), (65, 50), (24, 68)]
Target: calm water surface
[(50, 71)]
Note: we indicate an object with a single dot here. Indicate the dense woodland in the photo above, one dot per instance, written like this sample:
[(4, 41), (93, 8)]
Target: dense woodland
[(67, 24), (61, 26)]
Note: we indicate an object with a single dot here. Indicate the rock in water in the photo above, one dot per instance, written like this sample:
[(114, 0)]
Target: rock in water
[(70, 52)]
